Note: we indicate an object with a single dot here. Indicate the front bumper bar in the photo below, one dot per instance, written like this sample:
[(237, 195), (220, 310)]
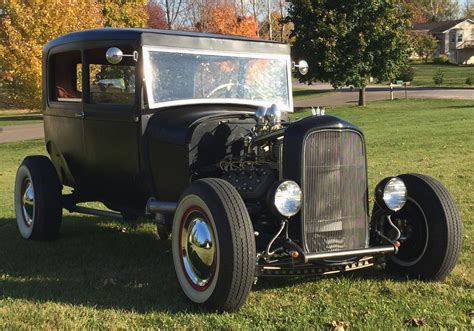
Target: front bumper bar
[(386, 249)]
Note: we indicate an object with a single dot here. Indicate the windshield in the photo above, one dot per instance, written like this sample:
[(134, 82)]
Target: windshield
[(179, 76)]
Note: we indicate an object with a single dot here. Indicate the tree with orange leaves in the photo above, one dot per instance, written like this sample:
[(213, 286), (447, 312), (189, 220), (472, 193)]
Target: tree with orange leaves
[(156, 16), (24, 28), (225, 20)]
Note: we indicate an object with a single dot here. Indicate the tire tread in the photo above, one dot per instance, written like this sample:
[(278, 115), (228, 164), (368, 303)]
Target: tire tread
[(243, 273), (453, 226), (444, 223)]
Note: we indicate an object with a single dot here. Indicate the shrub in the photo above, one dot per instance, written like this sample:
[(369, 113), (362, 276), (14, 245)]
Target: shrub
[(441, 59), (469, 81), (438, 77), (406, 74)]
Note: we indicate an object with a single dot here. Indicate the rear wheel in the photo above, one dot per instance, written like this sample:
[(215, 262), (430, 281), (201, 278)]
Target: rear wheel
[(38, 199), (430, 228), (213, 245)]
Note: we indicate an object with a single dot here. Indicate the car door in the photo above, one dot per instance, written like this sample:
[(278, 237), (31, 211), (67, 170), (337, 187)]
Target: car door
[(64, 112), (111, 129)]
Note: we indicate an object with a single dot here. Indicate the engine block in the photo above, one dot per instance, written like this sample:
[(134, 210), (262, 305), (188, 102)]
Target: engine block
[(252, 184)]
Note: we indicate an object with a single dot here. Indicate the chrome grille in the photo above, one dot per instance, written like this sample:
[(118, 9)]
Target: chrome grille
[(335, 191)]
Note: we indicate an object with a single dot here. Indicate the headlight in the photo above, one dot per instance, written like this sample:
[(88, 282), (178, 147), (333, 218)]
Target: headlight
[(391, 194), (286, 198)]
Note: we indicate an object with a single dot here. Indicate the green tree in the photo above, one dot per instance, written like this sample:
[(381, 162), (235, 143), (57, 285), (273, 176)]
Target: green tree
[(347, 42), (24, 28), (424, 45), (125, 13)]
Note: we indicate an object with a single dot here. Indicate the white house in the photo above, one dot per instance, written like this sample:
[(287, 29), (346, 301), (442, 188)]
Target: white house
[(455, 38)]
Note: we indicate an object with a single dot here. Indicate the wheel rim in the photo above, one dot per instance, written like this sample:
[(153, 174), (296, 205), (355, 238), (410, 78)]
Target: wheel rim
[(197, 247), (414, 224), (28, 202)]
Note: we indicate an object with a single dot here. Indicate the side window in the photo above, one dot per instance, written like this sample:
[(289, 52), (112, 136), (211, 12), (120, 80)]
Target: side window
[(66, 77), (459, 37), (110, 83)]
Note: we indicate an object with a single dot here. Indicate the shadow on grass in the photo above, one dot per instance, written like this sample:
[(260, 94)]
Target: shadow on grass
[(93, 263), (368, 274), (20, 118), (97, 263), (461, 107)]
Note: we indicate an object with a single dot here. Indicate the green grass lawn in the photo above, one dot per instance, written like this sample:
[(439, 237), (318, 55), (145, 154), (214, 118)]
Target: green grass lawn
[(305, 93), (11, 117), (454, 76), (103, 274)]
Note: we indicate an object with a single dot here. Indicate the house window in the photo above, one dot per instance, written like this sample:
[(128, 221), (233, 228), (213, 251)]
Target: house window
[(459, 37), (453, 38)]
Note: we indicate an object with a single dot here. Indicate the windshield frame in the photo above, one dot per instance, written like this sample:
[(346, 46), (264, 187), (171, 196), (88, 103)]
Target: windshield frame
[(152, 104)]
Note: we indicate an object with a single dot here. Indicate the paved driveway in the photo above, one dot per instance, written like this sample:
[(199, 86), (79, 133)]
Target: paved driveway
[(21, 132), (345, 96)]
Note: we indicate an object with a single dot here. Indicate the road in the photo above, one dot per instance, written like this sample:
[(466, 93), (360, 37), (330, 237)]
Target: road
[(21, 132), (346, 97), (339, 97)]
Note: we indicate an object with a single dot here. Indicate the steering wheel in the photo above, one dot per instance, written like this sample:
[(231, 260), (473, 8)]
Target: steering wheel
[(227, 86)]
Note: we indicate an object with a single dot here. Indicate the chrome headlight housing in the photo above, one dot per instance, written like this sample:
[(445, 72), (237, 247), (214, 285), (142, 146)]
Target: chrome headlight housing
[(391, 194), (286, 198)]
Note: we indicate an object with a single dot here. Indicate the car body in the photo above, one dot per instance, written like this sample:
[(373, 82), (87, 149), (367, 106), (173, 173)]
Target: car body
[(186, 129)]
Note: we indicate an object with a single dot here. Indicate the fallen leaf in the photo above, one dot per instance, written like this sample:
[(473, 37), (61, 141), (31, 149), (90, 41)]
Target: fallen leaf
[(415, 322), (339, 325)]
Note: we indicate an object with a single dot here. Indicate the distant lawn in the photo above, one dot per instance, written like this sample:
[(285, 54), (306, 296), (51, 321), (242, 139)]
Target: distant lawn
[(12, 117), (109, 275), (454, 76), (306, 93)]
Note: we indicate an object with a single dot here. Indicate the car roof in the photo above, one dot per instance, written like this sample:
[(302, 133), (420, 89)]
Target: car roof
[(157, 37)]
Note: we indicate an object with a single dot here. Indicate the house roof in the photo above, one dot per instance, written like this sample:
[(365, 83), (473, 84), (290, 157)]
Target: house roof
[(436, 27)]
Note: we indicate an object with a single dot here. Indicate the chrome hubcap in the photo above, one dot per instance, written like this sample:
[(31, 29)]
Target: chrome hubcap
[(28, 202), (198, 251)]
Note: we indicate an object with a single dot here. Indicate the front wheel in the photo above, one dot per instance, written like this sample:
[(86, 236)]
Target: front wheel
[(430, 228), (213, 245)]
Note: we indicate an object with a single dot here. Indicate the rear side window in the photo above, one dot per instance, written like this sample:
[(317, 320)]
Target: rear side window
[(110, 83), (66, 77)]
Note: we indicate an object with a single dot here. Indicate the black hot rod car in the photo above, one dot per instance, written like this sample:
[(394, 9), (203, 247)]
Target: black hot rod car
[(187, 130)]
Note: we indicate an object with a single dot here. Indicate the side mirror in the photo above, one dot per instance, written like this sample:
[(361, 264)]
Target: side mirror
[(302, 66), (114, 55)]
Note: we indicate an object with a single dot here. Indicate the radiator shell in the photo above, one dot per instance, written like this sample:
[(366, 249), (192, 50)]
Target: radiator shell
[(295, 137), (334, 184)]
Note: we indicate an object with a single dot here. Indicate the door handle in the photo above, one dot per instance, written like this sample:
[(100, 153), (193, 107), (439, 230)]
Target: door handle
[(80, 115)]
